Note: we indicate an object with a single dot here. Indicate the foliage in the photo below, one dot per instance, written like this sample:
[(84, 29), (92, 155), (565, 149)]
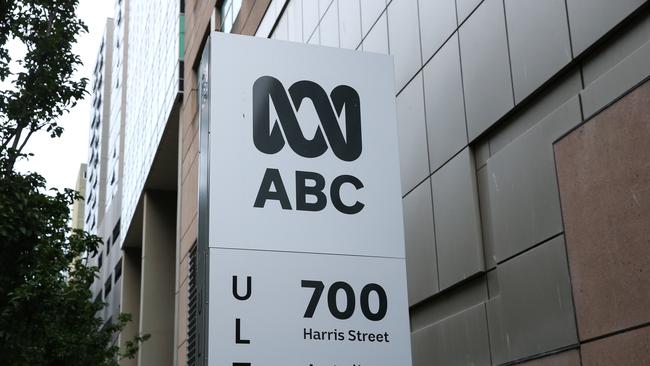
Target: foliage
[(46, 313), (43, 87), (46, 316)]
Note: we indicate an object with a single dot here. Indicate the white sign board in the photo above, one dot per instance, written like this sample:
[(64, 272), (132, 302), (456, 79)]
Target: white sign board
[(306, 263)]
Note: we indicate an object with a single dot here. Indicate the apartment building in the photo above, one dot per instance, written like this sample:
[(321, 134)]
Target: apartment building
[(521, 128), (100, 114), (101, 207), (132, 171)]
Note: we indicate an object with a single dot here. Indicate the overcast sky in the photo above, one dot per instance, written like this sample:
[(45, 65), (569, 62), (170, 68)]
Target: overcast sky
[(58, 160)]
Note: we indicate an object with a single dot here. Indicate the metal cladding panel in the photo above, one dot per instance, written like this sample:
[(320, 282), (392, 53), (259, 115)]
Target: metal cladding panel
[(592, 19), (524, 198), (437, 23), (457, 220), (377, 39), (461, 339), (538, 35), (465, 8), (404, 39), (486, 67), (615, 82), (412, 133), (421, 262), (445, 105), (370, 11), (350, 24), (533, 312)]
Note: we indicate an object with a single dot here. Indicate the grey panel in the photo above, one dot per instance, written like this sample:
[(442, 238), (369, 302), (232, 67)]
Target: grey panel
[(455, 301), (617, 81), (310, 17), (294, 17), (315, 37), (458, 340), (551, 98), (322, 6), (538, 34), (523, 193), (421, 270), (465, 7), (377, 38), (329, 27), (481, 152), (489, 254), (437, 23), (493, 284), (629, 39), (443, 92), (412, 135), (404, 39), (591, 19), (370, 11), (486, 69), (350, 23), (281, 30), (457, 221), (534, 311)]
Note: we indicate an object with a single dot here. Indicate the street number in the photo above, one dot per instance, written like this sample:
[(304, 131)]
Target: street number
[(350, 304)]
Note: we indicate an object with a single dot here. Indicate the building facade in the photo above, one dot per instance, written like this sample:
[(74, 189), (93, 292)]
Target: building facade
[(99, 118), (510, 122), (522, 127), (101, 209)]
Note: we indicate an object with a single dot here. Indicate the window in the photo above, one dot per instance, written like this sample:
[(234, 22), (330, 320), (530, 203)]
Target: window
[(100, 260), (118, 270), (107, 286), (116, 231), (230, 10), (108, 246)]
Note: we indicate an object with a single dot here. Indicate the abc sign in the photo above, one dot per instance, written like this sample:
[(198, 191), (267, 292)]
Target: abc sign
[(269, 140)]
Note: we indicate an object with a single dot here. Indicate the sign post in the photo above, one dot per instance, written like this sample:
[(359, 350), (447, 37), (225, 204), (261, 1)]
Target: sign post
[(305, 241)]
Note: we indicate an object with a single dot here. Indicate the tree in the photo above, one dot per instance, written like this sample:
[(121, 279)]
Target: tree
[(47, 316)]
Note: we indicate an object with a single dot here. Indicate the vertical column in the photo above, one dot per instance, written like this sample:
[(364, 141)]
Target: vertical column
[(157, 281), (131, 269)]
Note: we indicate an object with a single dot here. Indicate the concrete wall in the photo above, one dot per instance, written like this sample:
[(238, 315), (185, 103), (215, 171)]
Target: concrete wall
[(157, 278)]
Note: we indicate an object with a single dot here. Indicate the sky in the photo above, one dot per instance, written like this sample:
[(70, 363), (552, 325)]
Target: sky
[(58, 160)]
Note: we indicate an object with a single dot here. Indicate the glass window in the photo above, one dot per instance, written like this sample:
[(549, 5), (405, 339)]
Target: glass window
[(108, 285), (116, 231), (118, 270), (229, 10)]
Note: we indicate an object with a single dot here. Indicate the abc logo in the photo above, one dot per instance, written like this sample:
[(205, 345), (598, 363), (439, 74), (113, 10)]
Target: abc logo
[(270, 140)]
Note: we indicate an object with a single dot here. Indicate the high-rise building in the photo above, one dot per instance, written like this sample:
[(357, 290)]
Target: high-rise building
[(134, 188), (102, 212), (79, 205), (522, 128), (99, 123)]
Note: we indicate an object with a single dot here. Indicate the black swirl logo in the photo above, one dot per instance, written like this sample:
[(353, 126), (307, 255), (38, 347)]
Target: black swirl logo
[(270, 140)]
